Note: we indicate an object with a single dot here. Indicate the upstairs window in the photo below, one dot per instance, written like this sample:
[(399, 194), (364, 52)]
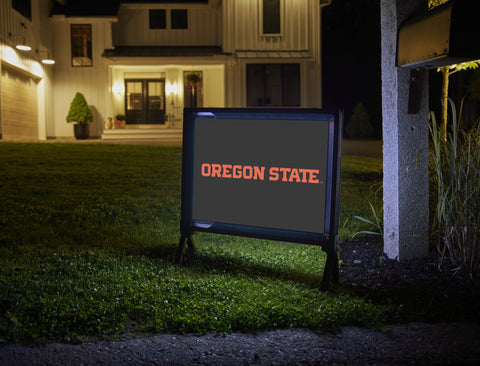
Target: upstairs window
[(179, 19), (271, 17), (158, 19), (81, 39), (24, 7)]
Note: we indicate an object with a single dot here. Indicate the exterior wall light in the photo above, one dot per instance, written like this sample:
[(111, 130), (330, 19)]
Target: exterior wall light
[(47, 60), (172, 89), (118, 89), (21, 44)]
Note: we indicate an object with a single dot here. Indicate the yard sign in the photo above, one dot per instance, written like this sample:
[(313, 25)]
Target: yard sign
[(263, 173)]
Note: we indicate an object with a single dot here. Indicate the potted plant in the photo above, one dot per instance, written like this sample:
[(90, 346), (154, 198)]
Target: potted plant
[(120, 121), (81, 115)]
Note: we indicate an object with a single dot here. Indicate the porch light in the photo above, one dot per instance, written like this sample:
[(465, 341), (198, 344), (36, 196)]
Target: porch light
[(172, 88), (118, 89)]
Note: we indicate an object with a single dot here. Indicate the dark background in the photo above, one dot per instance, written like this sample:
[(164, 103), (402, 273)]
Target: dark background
[(351, 58), (351, 53), (279, 205)]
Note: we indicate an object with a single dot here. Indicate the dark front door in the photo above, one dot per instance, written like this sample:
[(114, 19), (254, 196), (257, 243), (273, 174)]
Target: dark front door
[(145, 101)]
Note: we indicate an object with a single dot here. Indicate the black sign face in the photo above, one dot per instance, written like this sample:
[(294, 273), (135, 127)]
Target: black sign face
[(266, 173)]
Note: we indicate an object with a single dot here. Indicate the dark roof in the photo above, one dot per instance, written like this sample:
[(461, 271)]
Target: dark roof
[(84, 8), (158, 51), (166, 1)]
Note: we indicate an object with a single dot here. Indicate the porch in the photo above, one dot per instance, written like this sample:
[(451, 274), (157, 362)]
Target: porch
[(144, 133)]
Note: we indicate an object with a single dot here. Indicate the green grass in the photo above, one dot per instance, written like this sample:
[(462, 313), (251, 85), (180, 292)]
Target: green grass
[(88, 235)]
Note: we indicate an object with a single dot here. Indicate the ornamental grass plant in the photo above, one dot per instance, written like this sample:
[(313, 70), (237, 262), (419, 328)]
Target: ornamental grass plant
[(455, 186)]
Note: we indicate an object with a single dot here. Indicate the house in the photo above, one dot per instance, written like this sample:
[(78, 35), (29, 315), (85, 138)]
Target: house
[(147, 60)]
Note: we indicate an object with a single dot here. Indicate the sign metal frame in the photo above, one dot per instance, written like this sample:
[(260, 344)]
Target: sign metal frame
[(328, 240)]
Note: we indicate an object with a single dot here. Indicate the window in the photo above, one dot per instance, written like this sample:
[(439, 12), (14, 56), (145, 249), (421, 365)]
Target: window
[(158, 19), (271, 17), (273, 85), (145, 101), (81, 44), (24, 7), (179, 19)]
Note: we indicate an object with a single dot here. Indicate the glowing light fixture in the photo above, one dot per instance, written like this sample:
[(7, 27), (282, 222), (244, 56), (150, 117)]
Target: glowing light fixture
[(172, 89), (22, 44), (118, 89), (45, 60)]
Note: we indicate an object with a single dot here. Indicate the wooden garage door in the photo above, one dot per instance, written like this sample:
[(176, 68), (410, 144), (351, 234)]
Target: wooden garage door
[(19, 117)]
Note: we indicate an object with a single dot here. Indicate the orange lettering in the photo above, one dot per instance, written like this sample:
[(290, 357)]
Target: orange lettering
[(284, 171), (313, 176), (216, 170), (206, 170), (247, 172), (294, 176), (273, 174), (226, 171), (304, 174), (237, 171), (259, 172)]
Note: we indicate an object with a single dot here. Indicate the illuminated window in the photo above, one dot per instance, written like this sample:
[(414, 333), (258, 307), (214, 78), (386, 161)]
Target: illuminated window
[(81, 44), (145, 101), (158, 19), (24, 7), (273, 85)]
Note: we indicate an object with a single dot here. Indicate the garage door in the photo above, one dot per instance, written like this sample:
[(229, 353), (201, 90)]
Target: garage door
[(19, 116)]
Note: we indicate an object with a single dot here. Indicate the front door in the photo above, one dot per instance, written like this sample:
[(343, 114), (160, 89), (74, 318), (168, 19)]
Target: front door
[(145, 101)]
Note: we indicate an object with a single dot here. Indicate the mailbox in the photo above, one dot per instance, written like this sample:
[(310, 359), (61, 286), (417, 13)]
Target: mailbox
[(446, 35)]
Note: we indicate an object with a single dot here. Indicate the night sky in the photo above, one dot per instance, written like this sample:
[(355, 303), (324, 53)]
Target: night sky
[(351, 58)]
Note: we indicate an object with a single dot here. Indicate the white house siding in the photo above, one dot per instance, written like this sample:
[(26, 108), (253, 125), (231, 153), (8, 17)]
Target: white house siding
[(91, 81), (300, 37), (242, 24), (133, 28), (36, 32)]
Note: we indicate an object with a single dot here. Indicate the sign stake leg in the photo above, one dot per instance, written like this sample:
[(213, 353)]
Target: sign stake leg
[(185, 241)]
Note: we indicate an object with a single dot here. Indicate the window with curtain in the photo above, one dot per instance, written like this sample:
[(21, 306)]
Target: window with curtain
[(81, 41)]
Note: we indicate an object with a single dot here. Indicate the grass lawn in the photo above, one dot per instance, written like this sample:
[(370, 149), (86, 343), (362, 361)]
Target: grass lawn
[(88, 234)]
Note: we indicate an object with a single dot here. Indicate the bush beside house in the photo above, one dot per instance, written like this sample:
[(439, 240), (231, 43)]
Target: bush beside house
[(81, 115)]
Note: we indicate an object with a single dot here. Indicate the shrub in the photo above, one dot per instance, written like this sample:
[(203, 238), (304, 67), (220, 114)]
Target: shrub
[(455, 183), (359, 125), (79, 110)]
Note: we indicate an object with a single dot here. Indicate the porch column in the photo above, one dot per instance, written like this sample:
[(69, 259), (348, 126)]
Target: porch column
[(405, 137)]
